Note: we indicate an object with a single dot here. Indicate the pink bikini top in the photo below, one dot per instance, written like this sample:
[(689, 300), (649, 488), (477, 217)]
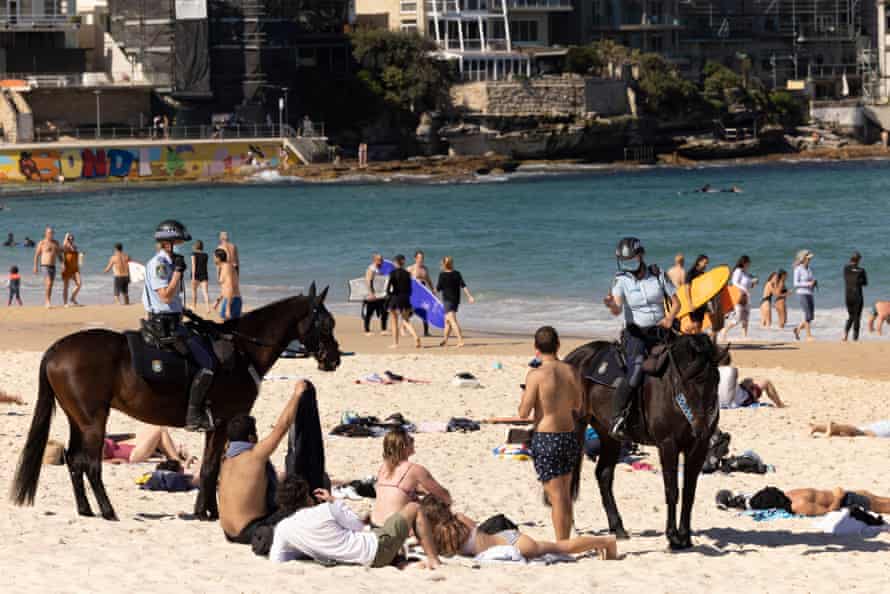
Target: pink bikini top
[(412, 494)]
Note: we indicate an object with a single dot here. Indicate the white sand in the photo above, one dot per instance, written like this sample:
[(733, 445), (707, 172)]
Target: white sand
[(50, 548)]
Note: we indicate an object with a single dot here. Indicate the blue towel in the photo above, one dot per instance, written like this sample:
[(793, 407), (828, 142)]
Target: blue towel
[(768, 515)]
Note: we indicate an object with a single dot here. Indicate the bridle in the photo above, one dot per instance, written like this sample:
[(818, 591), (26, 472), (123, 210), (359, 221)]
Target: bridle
[(680, 386)]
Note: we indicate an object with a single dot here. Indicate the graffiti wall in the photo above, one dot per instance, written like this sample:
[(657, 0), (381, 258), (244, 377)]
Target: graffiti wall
[(157, 162)]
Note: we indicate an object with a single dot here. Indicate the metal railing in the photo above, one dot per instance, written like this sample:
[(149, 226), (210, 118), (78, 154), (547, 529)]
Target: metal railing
[(160, 135), (9, 21), (86, 79), (539, 4)]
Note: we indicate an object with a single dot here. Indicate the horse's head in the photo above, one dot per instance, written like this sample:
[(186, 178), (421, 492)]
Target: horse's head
[(316, 332), (695, 360)]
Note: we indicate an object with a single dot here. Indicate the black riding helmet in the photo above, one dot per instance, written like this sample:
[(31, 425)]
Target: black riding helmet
[(172, 230), (629, 247)]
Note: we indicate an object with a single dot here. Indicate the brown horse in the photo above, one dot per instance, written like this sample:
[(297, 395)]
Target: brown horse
[(691, 371), (91, 372)]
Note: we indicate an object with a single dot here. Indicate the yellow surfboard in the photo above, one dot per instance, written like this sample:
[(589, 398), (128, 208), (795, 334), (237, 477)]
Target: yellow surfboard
[(703, 289), (729, 297)]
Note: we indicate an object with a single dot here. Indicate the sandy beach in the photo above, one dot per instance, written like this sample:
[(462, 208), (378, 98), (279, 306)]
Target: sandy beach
[(50, 548)]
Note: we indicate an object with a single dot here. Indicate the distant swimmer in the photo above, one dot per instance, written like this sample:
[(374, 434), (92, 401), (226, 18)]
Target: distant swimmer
[(705, 189), (28, 242), (10, 240), (732, 190)]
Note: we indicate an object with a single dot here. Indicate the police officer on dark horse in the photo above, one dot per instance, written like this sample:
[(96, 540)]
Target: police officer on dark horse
[(640, 292), (163, 301)]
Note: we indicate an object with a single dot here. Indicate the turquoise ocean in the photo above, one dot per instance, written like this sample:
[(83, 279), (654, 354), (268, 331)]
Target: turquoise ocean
[(535, 248)]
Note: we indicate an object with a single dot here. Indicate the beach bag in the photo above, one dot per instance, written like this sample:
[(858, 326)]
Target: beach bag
[(466, 380)]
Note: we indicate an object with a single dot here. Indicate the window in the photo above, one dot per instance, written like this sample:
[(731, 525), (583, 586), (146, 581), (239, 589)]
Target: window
[(410, 25), (496, 30), (524, 31), (409, 6)]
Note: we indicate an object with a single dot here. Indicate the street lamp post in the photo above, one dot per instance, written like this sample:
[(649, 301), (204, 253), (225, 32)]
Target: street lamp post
[(286, 118), (98, 114), (281, 117)]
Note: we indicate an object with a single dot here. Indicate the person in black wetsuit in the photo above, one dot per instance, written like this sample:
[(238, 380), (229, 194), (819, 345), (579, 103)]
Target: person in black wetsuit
[(854, 280), (398, 292), (199, 274)]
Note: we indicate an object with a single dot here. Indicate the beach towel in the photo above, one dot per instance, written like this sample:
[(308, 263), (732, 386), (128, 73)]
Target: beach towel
[(512, 452), (387, 379), (305, 444), (167, 480), (768, 515), (843, 523), (511, 555)]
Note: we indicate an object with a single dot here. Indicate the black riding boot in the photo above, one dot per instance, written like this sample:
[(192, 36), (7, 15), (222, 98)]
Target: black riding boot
[(198, 417), (620, 399)]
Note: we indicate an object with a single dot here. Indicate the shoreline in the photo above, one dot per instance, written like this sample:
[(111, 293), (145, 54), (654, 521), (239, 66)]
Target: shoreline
[(437, 170), (34, 330)]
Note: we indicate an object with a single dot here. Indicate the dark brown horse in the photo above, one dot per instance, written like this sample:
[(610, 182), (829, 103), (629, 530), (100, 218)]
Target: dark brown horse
[(691, 371), (91, 372)]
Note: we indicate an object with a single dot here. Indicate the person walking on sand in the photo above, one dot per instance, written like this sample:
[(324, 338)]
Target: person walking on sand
[(231, 251), (200, 279), (421, 274), (119, 264), (804, 284), (449, 286), (697, 316), (398, 294), (553, 397), (229, 300), (70, 269), (374, 304), (14, 282), (47, 253), (744, 282), (854, 280)]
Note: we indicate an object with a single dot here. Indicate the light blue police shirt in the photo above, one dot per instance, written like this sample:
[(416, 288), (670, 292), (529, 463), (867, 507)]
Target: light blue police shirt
[(158, 274), (643, 298)]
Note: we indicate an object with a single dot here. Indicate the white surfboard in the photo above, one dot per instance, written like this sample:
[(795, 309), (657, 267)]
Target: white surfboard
[(137, 272), (358, 288)]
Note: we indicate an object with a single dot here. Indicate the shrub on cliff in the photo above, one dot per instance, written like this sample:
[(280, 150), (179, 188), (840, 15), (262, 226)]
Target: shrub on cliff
[(399, 69), (664, 93)]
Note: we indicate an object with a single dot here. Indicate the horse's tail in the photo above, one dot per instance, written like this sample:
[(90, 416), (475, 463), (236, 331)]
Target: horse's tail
[(28, 471)]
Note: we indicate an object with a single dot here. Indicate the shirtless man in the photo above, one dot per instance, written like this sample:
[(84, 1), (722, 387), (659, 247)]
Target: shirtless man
[(46, 255), (553, 394), (119, 264), (245, 501), (230, 289), (421, 274), (374, 304), (231, 251), (677, 273), (806, 502), (880, 312)]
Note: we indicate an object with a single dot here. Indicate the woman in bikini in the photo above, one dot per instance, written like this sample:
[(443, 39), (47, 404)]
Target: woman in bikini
[(456, 534), (400, 481), (780, 292), (154, 441), (766, 301)]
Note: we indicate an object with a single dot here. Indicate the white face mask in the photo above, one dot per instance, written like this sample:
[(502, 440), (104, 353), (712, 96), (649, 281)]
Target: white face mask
[(631, 265)]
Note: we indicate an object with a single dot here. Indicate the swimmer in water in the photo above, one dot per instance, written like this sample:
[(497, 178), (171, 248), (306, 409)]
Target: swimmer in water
[(733, 190)]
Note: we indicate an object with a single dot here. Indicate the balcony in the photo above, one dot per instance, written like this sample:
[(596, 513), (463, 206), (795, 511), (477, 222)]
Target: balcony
[(474, 7), (638, 22), (10, 22)]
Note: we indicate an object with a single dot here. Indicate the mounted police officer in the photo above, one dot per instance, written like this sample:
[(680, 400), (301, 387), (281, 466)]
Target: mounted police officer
[(640, 292), (164, 305)]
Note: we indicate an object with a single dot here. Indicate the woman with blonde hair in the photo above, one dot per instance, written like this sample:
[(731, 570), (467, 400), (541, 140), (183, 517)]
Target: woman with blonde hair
[(804, 285), (400, 481), (70, 269), (456, 534), (449, 287)]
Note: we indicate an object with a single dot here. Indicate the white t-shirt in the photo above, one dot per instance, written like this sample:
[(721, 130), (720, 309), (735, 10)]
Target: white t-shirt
[(326, 532), (742, 280)]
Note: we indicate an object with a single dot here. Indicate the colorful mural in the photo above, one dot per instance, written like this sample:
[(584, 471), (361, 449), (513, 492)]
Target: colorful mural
[(148, 162)]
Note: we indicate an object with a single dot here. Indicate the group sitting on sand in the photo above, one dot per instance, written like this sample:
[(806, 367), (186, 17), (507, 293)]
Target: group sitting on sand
[(293, 515)]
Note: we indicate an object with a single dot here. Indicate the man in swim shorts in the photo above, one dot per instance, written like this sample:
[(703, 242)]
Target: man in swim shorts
[(229, 301), (46, 255), (553, 394), (119, 263)]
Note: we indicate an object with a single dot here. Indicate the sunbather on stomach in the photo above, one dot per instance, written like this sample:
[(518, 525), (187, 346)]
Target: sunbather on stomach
[(400, 481), (456, 534)]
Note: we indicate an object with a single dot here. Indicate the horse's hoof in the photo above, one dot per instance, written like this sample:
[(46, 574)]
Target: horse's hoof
[(680, 544), (621, 533), (111, 517), (87, 513)]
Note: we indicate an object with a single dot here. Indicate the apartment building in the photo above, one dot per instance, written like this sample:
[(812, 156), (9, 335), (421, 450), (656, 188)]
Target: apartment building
[(489, 39)]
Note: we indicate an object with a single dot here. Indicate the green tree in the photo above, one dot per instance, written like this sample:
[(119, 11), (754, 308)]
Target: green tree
[(785, 109), (398, 67), (664, 92)]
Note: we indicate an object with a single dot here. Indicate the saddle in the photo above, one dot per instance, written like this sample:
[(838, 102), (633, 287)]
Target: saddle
[(159, 365)]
